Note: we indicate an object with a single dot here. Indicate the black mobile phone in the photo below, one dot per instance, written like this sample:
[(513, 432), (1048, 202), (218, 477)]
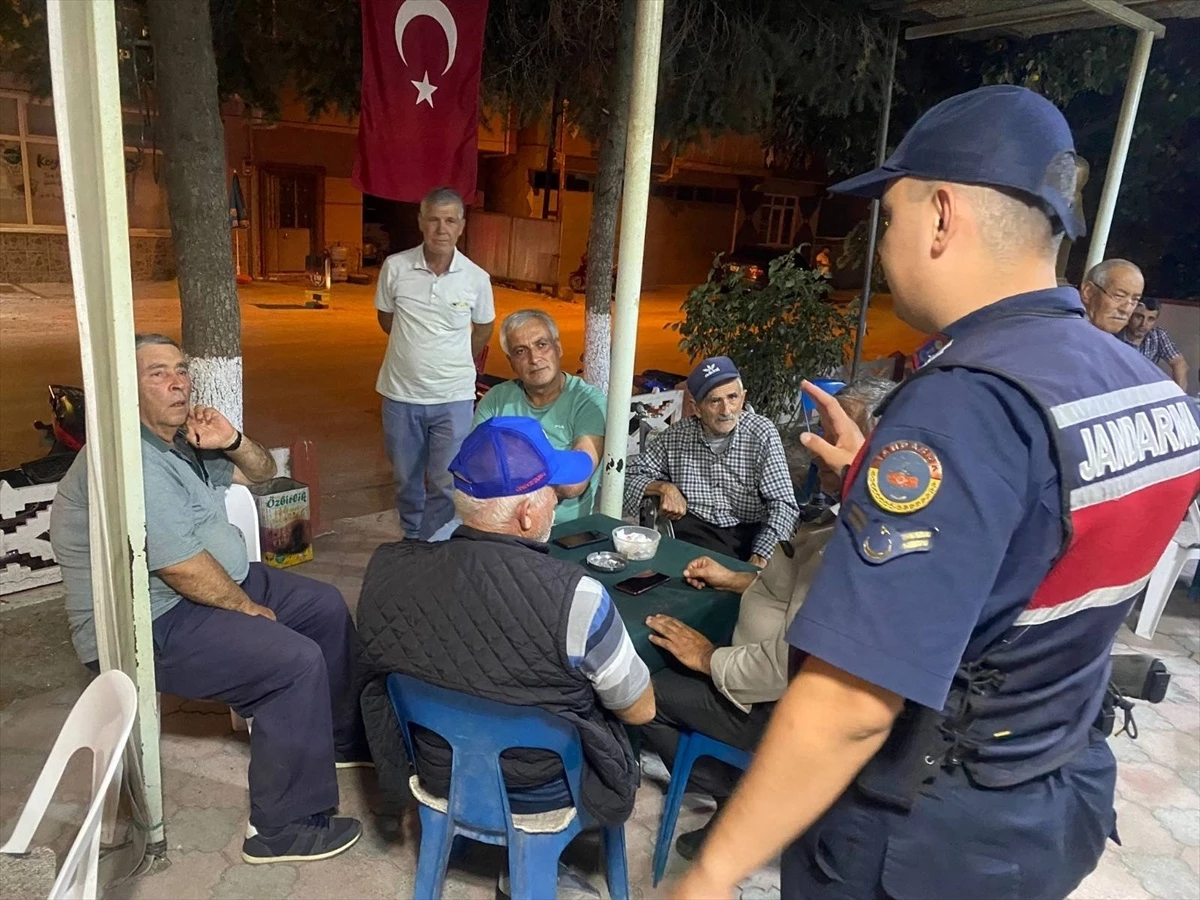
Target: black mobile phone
[(571, 541), (642, 582)]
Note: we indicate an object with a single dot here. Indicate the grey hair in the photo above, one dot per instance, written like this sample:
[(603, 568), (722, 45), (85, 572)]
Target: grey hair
[(496, 514), (521, 318), (867, 391), (151, 339), (443, 196), (1100, 272)]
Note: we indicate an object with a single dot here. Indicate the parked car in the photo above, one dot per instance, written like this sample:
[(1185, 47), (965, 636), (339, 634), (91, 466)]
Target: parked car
[(753, 263)]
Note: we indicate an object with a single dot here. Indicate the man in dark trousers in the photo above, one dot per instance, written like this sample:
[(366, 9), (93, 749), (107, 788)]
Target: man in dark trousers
[(997, 527), (277, 647)]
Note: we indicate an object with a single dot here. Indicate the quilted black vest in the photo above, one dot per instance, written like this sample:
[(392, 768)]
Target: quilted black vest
[(486, 614)]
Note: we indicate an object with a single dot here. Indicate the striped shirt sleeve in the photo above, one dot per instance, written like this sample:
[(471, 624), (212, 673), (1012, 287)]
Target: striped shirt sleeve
[(599, 646)]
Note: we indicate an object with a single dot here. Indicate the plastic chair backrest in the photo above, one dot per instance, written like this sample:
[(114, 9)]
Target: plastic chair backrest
[(100, 720), (243, 515), (478, 731), (828, 385)]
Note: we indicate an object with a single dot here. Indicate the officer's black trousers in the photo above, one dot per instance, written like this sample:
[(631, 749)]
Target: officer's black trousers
[(1034, 841), (687, 700)]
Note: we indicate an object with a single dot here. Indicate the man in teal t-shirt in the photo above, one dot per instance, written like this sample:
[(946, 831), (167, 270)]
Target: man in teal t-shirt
[(570, 410)]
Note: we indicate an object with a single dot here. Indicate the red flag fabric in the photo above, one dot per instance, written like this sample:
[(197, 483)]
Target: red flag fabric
[(420, 97)]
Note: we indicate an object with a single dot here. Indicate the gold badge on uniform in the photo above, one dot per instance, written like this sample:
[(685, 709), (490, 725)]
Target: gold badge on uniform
[(904, 477)]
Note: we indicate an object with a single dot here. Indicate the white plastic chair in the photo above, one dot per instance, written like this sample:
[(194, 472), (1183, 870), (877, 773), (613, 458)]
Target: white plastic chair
[(243, 515), (101, 720), (653, 412), (1184, 546)]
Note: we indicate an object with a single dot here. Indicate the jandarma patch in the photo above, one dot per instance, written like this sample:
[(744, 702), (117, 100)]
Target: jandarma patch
[(904, 477)]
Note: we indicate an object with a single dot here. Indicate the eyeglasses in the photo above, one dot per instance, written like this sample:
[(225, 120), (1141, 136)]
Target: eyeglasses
[(1121, 299)]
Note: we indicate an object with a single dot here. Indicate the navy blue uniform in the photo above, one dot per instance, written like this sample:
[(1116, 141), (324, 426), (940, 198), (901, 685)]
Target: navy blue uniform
[(1005, 513)]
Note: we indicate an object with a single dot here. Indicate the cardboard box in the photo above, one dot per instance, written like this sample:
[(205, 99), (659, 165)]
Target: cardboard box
[(284, 523)]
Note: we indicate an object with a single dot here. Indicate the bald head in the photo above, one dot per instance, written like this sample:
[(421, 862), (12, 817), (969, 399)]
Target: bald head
[(1110, 291)]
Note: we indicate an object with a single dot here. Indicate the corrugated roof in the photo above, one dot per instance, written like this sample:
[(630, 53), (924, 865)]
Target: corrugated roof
[(1023, 18)]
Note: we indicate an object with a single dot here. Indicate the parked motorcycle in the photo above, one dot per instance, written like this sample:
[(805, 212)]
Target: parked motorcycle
[(66, 433), (577, 280)]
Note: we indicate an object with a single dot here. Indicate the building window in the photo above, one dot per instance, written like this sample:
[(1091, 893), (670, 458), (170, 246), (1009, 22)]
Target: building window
[(31, 190), (777, 218)]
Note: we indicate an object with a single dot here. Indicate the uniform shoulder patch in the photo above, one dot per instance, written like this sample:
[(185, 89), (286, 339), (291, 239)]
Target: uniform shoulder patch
[(904, 477), (877, 542)]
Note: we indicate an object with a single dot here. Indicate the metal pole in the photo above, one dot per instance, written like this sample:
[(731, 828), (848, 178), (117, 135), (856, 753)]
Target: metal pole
[(885, 118), (87, 106), (639, 148), (1120, 150)]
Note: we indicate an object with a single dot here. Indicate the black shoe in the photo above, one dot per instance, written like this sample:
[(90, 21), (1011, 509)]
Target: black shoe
[(689, 843), (310, 838)]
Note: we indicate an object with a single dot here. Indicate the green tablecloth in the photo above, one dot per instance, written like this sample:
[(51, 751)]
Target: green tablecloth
[(711, 612)]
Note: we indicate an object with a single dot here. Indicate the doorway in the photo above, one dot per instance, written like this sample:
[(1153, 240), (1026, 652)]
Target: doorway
[(292, 206)]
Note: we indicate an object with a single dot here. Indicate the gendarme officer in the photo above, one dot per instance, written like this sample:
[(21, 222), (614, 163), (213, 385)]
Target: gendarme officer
[(937, 741)]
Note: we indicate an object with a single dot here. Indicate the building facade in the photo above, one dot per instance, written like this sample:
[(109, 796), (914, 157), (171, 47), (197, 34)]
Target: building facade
[(528, 224)]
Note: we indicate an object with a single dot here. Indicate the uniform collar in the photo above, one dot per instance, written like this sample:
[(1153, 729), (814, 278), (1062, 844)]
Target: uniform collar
[(1059, 301)]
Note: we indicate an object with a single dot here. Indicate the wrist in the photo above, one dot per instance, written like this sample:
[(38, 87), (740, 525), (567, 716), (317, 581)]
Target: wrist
[(237, 442), (706, 661)]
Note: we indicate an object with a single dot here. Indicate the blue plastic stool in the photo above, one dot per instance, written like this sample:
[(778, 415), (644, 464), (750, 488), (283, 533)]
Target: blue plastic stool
[(829, 385), (692, 746), (478, 731)]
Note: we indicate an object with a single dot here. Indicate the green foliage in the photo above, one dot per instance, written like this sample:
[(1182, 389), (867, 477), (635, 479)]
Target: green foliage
[(778, 334)]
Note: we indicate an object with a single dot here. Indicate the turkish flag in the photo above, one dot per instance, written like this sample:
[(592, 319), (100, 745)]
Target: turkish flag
[(418, 123)]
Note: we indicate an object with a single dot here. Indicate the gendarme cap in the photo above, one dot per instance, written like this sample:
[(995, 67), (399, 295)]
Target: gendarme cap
[(998, 136)]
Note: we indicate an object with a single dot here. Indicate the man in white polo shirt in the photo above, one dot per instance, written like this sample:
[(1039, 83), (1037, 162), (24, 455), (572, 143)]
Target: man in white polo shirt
[(436, 307)]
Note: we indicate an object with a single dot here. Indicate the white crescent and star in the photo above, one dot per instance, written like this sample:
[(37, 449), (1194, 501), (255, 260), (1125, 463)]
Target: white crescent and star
[(424, 90), (440, 13)]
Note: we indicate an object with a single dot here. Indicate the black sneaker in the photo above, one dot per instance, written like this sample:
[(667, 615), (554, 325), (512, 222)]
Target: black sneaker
[(689, 843), (310, 838)]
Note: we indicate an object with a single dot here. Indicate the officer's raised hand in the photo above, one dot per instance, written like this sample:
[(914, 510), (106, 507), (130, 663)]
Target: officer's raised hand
[(843, 438)]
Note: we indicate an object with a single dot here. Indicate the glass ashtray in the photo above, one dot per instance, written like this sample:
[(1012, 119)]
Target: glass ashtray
[(606, 561)]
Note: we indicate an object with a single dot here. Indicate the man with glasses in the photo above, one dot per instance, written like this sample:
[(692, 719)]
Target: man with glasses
[(1110, 291), (721, 475)]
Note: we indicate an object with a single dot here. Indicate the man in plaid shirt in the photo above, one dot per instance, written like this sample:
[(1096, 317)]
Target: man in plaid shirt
[(1154, 343), (721, 475)]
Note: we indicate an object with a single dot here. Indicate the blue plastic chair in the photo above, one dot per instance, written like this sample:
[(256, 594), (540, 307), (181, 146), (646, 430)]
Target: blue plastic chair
[(692, 746), (478, 731), (808, 406)]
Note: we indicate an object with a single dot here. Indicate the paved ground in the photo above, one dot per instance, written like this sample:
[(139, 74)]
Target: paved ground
[(205, 763), (308, 373)]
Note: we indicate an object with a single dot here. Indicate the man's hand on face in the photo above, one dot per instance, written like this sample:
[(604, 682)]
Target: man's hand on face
[(673, 503), (707, 572), (686, 644), (208, 429)]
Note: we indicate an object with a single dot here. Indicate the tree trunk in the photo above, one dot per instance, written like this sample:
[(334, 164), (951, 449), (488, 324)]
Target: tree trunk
[(606, 203), (185, 71)]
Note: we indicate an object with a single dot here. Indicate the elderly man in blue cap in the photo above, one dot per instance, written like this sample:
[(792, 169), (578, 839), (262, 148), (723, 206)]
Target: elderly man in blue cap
[(553, 636), (721, 475), (938, 738)]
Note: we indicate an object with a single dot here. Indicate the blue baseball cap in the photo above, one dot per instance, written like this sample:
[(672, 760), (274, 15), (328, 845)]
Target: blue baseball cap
[(511, 455), (711, 372), (997, 136)]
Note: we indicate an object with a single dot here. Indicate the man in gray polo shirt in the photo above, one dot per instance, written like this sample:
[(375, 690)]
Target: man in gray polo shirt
[(436, 307), (273, 645)]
